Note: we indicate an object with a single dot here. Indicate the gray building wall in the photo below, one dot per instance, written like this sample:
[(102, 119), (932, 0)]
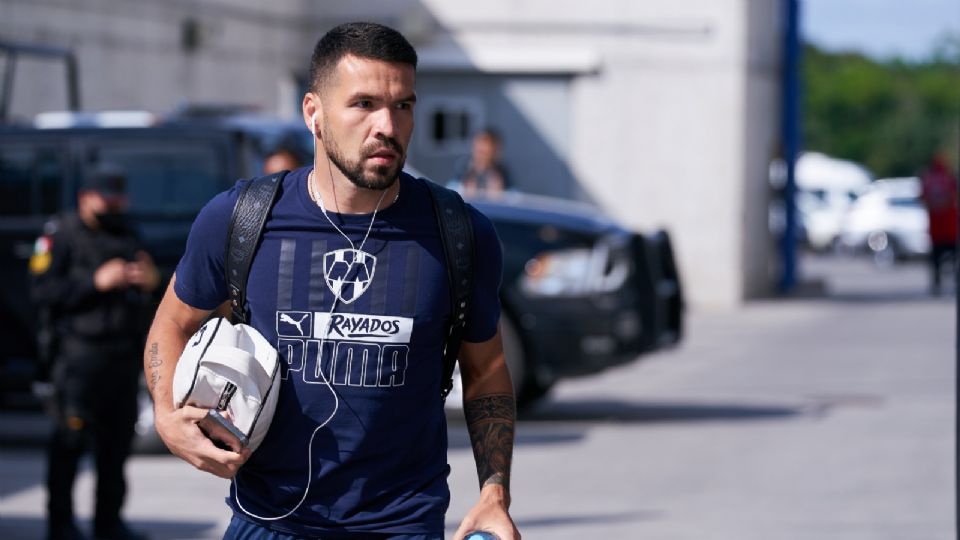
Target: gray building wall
[(138, 54), (664, 113)]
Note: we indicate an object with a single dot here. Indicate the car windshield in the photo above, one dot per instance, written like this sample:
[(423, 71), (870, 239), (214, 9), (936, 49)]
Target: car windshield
[(167, 178)]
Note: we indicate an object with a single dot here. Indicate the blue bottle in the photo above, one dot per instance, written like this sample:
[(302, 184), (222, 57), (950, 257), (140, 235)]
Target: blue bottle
[(480, 535)]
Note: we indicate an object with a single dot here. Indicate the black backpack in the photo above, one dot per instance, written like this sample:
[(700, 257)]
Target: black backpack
[(456, 235)]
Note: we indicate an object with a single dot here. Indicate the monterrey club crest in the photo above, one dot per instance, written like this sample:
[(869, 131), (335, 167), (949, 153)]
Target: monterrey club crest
[(348, 273)]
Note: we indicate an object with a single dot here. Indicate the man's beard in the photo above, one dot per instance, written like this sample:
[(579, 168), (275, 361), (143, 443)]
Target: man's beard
[(382, 176)]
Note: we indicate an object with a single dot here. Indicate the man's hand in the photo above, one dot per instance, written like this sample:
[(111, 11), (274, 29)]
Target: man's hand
[(490, 515), (110, 275), (179, 431)]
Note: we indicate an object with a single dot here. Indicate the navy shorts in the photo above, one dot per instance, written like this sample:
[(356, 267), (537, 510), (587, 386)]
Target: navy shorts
[(241, 529)]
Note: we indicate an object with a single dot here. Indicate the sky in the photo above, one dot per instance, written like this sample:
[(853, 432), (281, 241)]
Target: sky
[(881, 29)]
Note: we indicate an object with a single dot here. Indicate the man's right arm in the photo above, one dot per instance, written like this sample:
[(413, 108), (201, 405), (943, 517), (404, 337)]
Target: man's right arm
[(172, 326)]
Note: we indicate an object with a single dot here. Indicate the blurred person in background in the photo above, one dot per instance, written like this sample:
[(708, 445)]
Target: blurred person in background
[(283, 157), (939, 194), (92, 280), (483, 172)]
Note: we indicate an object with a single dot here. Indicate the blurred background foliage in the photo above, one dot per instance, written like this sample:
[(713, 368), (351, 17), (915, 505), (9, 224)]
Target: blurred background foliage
[(890, 115)]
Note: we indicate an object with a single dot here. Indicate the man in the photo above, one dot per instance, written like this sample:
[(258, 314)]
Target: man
[(483, 172), (349, 282), (278, 160), (939, 195), (93, 279), (284, 156)]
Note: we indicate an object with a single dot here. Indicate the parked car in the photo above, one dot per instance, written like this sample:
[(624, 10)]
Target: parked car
[(888, 221), (173, 168), (826, 188), (580, 293)]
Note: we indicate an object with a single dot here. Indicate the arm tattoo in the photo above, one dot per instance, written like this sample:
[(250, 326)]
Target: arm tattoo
[(154, 364), (490, 422)]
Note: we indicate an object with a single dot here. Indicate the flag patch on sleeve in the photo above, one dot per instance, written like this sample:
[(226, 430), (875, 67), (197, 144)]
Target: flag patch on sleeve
[(42, 254)]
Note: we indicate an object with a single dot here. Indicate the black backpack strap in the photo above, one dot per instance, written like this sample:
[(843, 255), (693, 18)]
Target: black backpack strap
[(246, 226), (456, 235)]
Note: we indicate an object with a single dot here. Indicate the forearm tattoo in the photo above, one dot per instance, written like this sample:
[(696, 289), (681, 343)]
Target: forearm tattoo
[(154, 364), (490, 421)]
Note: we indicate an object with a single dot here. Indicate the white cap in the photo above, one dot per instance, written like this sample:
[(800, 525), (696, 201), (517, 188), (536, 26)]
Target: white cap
[(232, 368)]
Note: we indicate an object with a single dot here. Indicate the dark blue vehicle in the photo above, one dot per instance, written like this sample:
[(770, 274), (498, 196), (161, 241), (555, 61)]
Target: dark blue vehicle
[(580, 293)]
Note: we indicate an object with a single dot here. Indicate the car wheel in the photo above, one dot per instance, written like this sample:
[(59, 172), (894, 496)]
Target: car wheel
[(513, 353), (526, 387)]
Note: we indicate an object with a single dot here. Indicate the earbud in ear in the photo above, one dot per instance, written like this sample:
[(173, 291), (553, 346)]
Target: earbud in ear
[(313, 124)]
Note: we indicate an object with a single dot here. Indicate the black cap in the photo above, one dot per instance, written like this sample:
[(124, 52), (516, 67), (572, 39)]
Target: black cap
[(106, 180)]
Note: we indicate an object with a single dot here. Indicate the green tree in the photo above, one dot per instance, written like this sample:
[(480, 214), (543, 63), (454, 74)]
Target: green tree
[(891, 115)]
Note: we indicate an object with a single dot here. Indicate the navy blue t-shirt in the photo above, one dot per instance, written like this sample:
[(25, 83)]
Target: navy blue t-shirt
[(380, 464)]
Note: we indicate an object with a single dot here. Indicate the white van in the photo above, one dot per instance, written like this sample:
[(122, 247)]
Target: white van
[(826, 188)]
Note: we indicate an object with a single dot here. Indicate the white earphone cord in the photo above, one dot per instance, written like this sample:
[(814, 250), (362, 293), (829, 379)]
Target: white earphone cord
[(323, 338), (336, 406)]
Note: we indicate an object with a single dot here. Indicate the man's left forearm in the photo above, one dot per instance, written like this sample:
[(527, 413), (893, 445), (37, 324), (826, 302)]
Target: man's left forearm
[(490, 421)]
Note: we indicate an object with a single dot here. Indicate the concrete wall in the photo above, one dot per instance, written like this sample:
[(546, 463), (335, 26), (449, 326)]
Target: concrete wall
[(674, 104), (132, 55), (673, 128)]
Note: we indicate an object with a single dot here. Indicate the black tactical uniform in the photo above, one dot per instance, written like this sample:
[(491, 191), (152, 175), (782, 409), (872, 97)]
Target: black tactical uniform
[(96, 365)]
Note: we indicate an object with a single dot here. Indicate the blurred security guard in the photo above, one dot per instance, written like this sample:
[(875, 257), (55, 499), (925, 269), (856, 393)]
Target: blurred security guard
[(93, 278)]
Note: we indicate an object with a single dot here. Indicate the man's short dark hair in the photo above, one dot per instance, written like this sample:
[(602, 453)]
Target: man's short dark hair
[(362, 39)]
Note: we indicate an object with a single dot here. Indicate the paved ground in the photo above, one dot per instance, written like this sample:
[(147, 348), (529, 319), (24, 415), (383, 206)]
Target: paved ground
[(816, 419)]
